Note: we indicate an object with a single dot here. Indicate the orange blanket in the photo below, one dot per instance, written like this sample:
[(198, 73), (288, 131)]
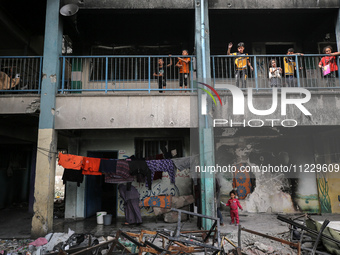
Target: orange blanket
[(158, 201)]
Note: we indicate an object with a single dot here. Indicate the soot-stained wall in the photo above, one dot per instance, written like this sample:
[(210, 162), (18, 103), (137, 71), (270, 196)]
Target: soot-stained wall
[(281, 179)]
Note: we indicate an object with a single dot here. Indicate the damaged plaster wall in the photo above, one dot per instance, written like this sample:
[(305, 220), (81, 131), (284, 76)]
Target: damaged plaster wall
[(268, 195), (269, 192)]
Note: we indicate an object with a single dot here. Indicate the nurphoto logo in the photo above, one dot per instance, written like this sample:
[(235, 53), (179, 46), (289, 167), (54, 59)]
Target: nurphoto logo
[(296, 97)]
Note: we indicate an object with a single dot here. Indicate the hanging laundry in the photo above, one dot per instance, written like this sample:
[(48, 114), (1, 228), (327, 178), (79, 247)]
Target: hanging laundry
[(108, 166), (162, 165), (113, 178), (91, 166), (140, 169), (182, 163), (122, 174), (123, 169), (70, 161), (71, 175)]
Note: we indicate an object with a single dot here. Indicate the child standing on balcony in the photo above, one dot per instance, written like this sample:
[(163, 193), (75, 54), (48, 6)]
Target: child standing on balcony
[(183, 64), (161, 73), (234, 204), (329, 66), (290, 67), (274, 74), (240, 63)]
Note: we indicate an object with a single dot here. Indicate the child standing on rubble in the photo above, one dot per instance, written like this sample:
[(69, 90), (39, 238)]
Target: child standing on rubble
[(234, 204)]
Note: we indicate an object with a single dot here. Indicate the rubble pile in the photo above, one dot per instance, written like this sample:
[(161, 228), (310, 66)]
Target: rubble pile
[(256, 245), (15, 246), (298, 237), (51, 243)]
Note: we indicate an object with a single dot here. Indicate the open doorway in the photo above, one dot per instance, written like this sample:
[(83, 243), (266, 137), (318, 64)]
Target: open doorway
[(100, 196), (278, 49)]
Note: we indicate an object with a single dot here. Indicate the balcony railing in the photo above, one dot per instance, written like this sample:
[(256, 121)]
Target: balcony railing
[(291, 71), (121, 73), (107, 74), (20, 74)]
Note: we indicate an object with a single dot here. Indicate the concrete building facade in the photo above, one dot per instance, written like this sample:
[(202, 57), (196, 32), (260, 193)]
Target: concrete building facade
[(86, 88)]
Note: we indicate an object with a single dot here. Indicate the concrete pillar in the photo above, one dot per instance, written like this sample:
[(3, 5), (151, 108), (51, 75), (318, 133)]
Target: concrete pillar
[(74, 202), (42, 221), (206, 134), (337, 30)]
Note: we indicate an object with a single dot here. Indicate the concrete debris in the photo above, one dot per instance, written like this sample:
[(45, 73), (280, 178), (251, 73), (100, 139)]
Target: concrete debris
[(256, 245), (51, 243), (15, 246)]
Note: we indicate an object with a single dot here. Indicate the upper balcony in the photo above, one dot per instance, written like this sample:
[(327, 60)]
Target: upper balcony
[(107, 74), (84, 81)]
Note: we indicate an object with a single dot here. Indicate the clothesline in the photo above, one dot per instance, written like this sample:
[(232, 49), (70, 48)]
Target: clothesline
[(120, 170)]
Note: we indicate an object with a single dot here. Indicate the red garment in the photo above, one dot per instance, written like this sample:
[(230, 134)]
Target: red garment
[(331, 60), (70, 161), (234, 216), (234, 204), (91, 166)]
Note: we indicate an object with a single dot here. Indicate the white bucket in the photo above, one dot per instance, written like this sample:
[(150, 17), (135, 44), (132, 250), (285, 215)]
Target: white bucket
[(100, 217)]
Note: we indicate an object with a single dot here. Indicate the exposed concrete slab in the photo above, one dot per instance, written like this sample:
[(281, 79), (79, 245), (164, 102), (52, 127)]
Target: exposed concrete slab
[(18, 104), (169, 111), (123, 111)]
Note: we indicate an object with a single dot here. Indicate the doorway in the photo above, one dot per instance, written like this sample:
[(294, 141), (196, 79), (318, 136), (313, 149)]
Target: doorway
[(100, 196), (278, 49)]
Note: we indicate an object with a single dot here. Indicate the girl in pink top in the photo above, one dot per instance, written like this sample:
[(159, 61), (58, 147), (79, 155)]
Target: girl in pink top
[(234, 204), (329, 66)]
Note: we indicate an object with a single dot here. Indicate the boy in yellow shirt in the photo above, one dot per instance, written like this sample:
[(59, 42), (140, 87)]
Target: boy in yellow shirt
[(290, 67), (240, 64)]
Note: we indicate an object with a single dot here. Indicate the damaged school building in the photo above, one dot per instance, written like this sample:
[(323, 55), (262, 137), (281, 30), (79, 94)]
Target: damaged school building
[(78, 77)]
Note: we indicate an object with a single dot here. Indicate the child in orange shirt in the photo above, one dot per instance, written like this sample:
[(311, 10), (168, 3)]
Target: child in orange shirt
[(183, 64), (234, 204)]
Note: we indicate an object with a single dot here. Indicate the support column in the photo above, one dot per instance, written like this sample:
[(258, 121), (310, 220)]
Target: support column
[(337, 31), (206, 133), (74, 202), (42, 221)]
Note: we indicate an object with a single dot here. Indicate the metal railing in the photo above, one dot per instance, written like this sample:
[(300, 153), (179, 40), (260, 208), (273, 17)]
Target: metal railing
[(106, 74), (20, 74), (122, 73), (290, 71)]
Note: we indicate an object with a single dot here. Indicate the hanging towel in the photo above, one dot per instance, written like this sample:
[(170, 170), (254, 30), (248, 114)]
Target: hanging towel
[(91, 166), (70, 161)]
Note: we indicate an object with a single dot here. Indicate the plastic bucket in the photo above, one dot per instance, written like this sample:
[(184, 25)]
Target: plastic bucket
[(100, 218), (107, 219)]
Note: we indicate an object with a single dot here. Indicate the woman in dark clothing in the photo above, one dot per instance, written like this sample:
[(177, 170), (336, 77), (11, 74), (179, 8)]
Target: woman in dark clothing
[(130, 197)]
